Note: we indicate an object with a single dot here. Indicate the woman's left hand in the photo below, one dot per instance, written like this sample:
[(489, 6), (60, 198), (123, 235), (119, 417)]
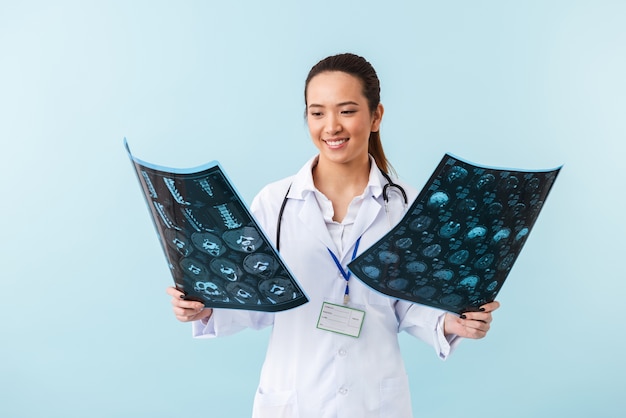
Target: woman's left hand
[(470, 324)]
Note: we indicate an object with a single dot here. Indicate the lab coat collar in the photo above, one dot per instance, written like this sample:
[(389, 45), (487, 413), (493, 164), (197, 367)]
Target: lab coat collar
[(303, 180), (310, 214)]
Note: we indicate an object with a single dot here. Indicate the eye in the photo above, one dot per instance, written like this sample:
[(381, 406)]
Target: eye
[(348, 111), (315, 114)]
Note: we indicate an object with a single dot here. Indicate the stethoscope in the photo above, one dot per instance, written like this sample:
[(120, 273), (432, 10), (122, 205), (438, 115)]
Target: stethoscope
[(386, 188)]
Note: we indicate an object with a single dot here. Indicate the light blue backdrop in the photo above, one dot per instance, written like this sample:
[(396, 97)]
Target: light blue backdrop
[(86, 326)]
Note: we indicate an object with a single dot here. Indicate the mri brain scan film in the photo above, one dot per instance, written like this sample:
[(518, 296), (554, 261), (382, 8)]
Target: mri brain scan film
[(216, 252), (458, 241)]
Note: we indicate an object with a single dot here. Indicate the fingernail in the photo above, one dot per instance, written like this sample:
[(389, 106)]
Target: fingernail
[(463, 316)]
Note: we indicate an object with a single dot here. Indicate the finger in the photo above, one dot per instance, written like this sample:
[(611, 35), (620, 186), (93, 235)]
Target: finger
[(188, 310), (175, 293), (187, 314), (483, 317), (475, 329), (179, 301), (183, 318), (490, 307), (187, 304)]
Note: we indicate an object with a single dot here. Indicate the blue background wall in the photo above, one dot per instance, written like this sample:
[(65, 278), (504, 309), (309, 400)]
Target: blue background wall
[(86, 327)]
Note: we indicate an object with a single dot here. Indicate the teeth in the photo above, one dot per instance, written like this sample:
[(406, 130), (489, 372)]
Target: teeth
[(337, 142)]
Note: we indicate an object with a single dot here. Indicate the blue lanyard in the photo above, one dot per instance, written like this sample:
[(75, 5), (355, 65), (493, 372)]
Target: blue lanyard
[(346, 275)]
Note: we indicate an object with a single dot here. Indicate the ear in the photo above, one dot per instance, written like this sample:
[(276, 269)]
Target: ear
[(377, 117)]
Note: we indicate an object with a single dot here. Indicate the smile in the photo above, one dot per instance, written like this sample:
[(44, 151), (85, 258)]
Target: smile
[(335, 142)]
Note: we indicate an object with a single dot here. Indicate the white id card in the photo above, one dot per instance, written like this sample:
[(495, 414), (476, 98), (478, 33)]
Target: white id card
[(341, 319)]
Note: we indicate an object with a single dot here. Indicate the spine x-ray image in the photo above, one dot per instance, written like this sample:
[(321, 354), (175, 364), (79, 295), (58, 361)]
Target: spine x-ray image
[(216, 252), (458, 241)]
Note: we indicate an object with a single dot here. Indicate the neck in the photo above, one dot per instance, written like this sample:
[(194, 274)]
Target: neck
[(347, 180)]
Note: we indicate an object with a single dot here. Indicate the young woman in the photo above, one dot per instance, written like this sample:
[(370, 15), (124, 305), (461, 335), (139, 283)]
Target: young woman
[(334, 209)]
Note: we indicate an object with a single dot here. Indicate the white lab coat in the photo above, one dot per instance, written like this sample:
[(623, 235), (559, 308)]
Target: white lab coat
[(312, 373)]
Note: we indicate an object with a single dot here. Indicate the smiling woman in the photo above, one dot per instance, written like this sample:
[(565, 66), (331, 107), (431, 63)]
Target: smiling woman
[(338, 114), (318, 364), (340, 124), (361, 78)]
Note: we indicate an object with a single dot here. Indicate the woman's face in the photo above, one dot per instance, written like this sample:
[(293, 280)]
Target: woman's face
[(339, 118)]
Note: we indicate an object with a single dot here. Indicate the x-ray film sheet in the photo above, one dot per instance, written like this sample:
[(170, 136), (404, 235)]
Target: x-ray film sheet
[(216, 252), (458, 241)]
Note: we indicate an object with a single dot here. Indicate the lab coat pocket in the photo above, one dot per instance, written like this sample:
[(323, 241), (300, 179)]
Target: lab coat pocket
[(281, 404), (395, 398)]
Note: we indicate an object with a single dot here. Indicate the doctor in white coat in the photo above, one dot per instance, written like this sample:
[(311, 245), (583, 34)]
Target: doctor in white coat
[(334, 208)]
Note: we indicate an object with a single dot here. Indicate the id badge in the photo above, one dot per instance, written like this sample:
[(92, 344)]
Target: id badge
[(341, 319)]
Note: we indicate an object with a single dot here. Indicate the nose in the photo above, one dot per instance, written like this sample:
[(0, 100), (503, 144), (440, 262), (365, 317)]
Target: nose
[(333, 125)]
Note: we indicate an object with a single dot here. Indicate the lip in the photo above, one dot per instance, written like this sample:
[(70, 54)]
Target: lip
[(335, 142)]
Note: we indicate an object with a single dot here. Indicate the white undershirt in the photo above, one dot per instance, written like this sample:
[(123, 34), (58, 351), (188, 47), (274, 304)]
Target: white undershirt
[(339, 231)]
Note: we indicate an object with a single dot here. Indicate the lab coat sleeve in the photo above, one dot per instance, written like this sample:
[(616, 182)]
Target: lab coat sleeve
[(426, 323), (224, 322)]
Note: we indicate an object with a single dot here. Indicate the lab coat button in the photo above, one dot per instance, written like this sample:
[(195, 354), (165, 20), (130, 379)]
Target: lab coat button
[(342, 353), (343, 390)]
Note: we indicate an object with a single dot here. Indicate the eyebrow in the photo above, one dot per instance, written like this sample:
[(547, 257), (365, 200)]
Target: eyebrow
[(338, 104)]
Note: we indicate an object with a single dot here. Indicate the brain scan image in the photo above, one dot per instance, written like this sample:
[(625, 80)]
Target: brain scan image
[(214, 248), (532, 184), (208, 243), (226, 269), (432, 251), (469, 282), (438, 200), (260, 264), (484, 262), (512, 182), (388, 257), (194, 268), (485, 182), (372, 272), (494, 209), (460, 238), (404, 243), (468, 205), (243, 293), (211, 290), (443, 274), (456, 173), (420, 223), (416, 267), (449, 229), (477, 233), (425, 292), (246, 239), (521, 234), (398, 284), (179, 241)]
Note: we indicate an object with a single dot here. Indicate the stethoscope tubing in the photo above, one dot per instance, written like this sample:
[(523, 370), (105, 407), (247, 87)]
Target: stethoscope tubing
[(390, 184)]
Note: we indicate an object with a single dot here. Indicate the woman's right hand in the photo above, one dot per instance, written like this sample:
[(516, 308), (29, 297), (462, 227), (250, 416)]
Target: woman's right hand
[(187, 310)]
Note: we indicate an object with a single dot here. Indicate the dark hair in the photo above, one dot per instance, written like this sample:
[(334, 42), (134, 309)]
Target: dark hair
[(360, 68)]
